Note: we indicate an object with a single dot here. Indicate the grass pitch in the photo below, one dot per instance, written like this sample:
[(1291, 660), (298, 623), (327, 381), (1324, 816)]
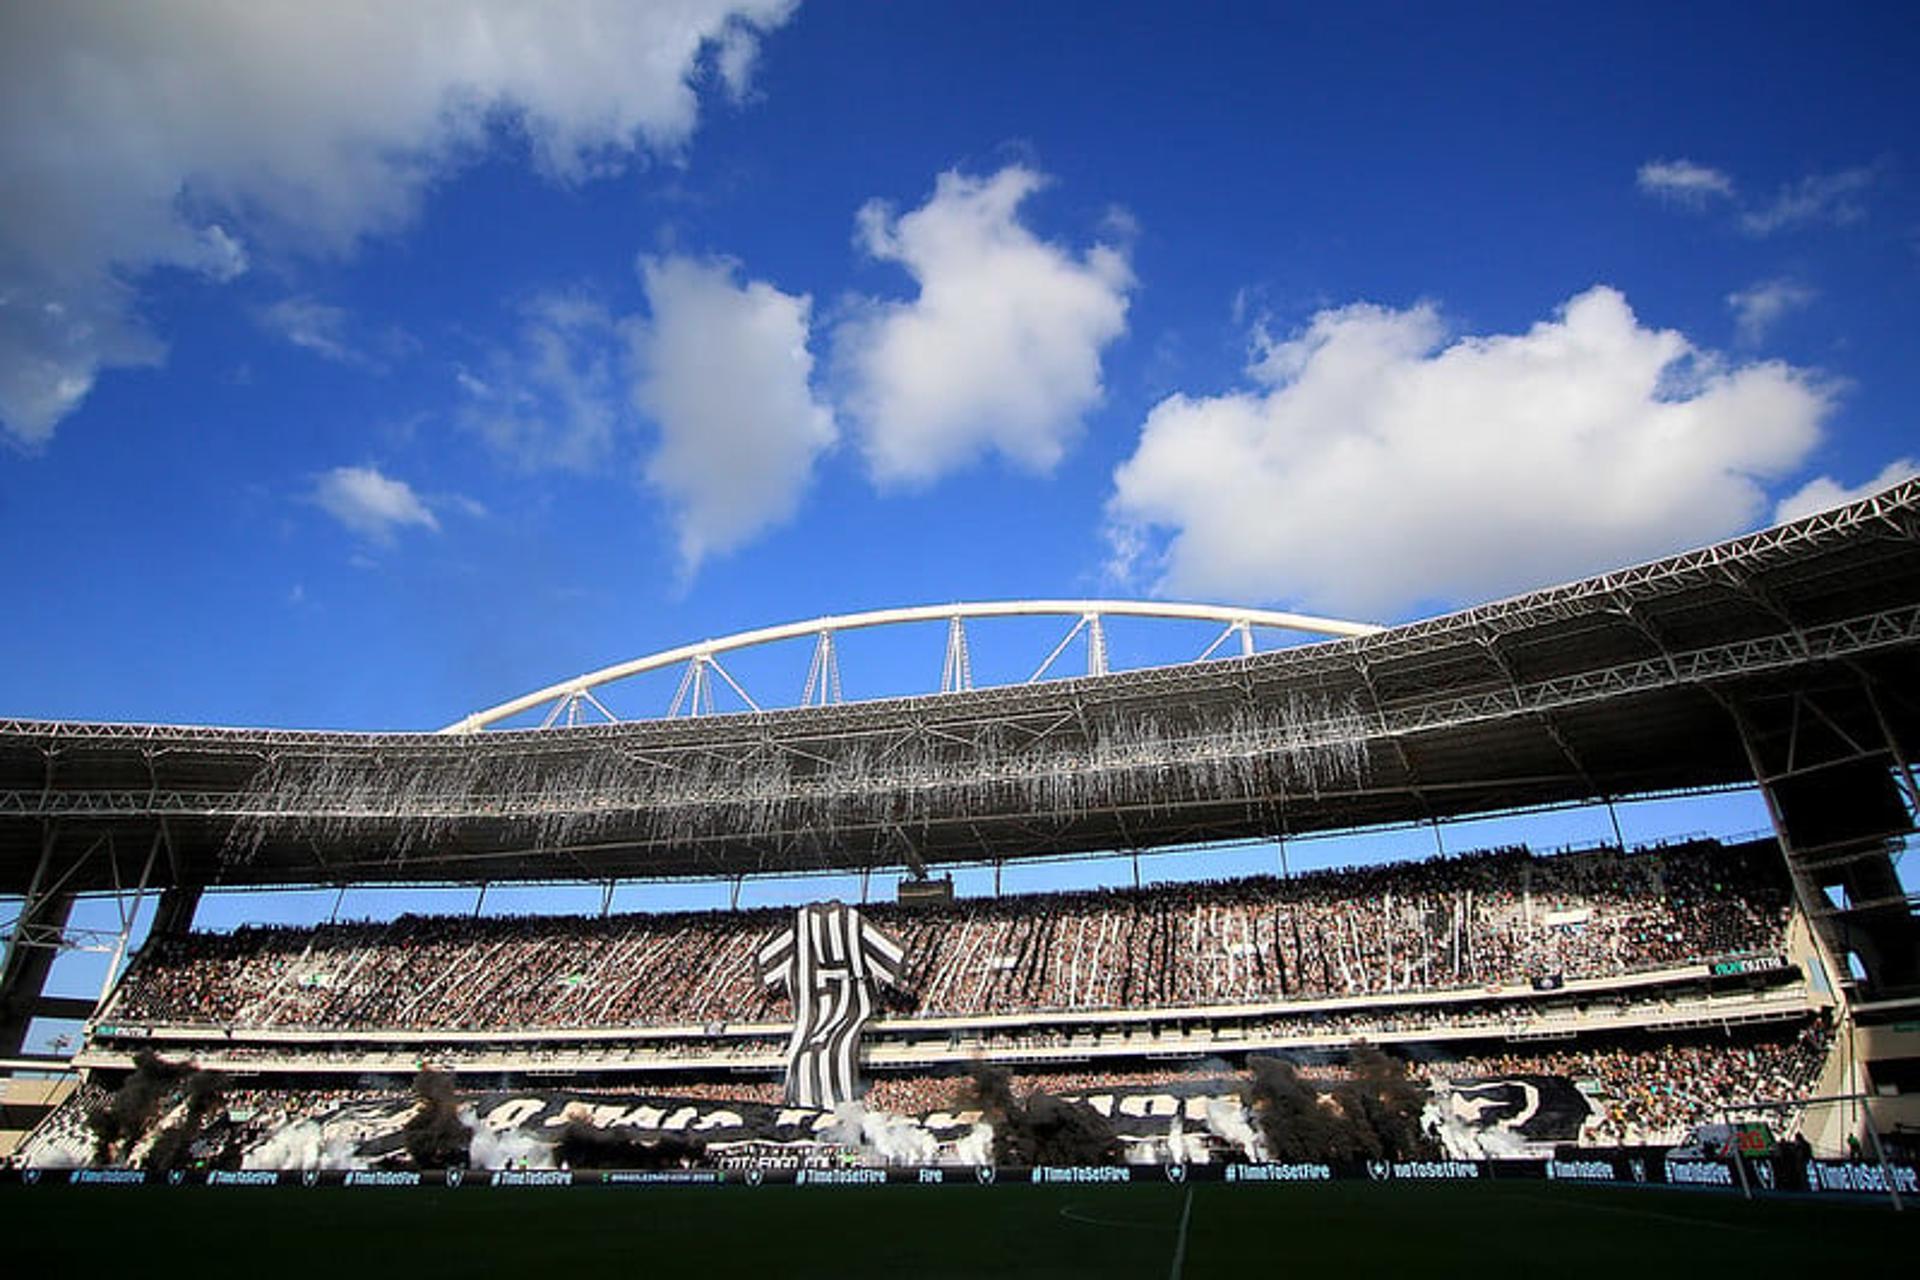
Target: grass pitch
[(1490, 1231)]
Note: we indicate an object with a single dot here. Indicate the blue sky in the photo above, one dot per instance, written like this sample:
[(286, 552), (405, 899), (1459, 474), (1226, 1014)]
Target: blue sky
[(364, 365)]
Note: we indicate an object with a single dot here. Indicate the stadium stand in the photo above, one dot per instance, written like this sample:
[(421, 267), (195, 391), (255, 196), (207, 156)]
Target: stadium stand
[(1656, 983), (1643, 1091), (1505, 916)]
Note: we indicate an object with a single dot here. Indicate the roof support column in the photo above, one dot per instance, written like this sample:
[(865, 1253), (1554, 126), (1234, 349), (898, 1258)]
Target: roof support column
[(179, 902), (1832, 776), (129, 916), (32, 945)]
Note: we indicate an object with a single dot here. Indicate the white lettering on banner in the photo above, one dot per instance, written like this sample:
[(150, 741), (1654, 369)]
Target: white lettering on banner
[(1693, 1173), (1580, 1170), (531, 1178), (689, 1176), (1279, 1173), (243, 1178), (933, 1175), (839, 1177), (382, 1178), (106, 1177), (1423, 1169), (1083, 1173), (515, 1112), (1864, 1177)]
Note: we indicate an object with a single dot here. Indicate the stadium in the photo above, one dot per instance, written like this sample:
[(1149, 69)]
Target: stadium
[(1739, 1012)]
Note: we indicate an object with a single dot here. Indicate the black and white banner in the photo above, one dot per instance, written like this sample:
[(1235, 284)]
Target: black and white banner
[(1763, 1176), (1508, 1116), (828, 962)]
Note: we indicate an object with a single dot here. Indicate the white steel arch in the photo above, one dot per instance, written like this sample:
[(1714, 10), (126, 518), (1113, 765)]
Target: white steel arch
[(702, 659)]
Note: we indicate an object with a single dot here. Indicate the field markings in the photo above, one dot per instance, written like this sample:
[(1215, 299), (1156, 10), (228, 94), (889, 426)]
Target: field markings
[(1180, 1244), (1071, 1214)]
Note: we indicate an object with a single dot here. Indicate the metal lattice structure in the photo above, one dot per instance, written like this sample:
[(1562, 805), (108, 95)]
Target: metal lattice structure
[(1650, 679), (701, 667)]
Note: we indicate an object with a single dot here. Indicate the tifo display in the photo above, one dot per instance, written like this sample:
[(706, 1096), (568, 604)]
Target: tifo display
[(1498, 1005), (1500, 917)]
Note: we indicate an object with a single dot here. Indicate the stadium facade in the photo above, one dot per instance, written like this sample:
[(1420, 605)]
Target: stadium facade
[(1785, 659)]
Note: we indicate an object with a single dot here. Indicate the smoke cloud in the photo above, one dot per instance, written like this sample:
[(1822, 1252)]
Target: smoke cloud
[(1039, 1128), (582, 1146), (304, 1145), (885, 1137), (172, 1145), (127, 1114), (436, 1136), (1374, 1115)]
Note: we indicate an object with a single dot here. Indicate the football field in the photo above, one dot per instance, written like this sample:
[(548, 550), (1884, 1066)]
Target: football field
[(1488, 1230)]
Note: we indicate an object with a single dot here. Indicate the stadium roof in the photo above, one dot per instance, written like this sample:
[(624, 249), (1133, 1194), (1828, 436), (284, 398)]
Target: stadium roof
[(1616, 686)]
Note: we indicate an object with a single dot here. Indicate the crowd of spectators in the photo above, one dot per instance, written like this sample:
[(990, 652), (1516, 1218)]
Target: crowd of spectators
[(1657, 1095), (1493, 918), (1644, 1093), (64, 1136), (1647, 1094)]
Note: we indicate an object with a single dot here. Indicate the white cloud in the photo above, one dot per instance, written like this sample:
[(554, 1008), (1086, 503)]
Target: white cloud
[(369, 504), (554, 400), (1825, 492), (1756, 309), (143, 136), (1380, 466), (1833, 198), (736, 60), (225, 258), (1001, 348), (312, 326), (331, 333), (1684, 182), (724, 370)]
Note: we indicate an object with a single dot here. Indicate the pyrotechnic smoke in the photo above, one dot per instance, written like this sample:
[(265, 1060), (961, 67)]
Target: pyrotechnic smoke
[(503, 1148), (884, 1137), (304, 1145), (977, 1147), (436, 1136), (1373, 1115), (1288, 1113), (582, 1146), (170, 1147), (124, 1117), (1040, 1128), (1227, 1119), (1388, 1102), (1182, 1148)]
